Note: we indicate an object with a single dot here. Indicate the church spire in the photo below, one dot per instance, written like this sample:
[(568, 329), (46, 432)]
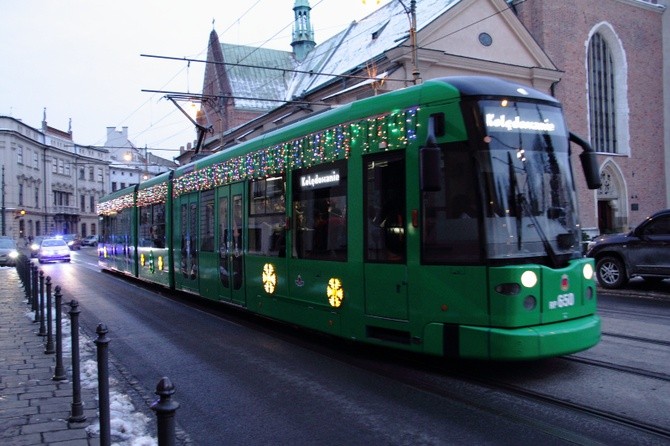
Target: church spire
[(303, 33)]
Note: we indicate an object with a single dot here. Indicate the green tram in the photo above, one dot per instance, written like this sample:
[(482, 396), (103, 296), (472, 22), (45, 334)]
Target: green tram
[(441, 218)]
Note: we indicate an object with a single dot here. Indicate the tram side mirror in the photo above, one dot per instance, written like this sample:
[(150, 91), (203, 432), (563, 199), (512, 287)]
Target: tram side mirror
[(589, 162), (429, 160)]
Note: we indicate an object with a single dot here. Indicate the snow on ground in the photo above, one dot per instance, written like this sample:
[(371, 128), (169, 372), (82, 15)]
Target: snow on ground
[(128, 426)]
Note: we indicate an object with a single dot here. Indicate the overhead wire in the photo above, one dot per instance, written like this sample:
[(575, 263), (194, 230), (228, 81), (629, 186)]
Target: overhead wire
[(282, 71)]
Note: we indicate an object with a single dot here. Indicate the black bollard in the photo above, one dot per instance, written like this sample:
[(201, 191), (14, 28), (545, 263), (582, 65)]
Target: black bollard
[(103, 385), (77, 412), (165, 410), (43, 331), (36, 302), (59, 371), (49, 348)]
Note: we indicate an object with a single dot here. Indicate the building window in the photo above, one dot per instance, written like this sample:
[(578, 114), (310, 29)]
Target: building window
[(19, 155), (20, 194), (82, 203), (92, 202), (113, 186), (37, 197), (36, 163), (91, 174), (601, 95), (607, 92)]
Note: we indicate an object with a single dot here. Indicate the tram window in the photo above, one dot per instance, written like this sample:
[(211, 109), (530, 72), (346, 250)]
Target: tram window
[(450, 223), (437, 125), (152, 226), (267, 217), (385, 204), (207, 221), (320, 212)]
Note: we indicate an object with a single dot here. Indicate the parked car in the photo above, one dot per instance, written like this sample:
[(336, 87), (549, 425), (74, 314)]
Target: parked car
[(8, 252), (91, 240), (644, 252), (53, 249), (72, 241), (35, 245)]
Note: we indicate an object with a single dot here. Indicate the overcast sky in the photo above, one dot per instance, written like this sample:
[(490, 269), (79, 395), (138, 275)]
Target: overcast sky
[(81, 58)]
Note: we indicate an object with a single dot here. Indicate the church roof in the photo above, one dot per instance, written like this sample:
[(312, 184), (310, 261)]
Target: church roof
[(348, 51), (250, 82)]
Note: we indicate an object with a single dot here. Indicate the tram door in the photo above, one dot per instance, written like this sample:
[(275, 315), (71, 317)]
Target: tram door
[(231, 243), (186, 255), (385, 238)]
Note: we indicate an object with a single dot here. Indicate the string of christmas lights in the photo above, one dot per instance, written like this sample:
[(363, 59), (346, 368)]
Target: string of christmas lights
[(390, 131)]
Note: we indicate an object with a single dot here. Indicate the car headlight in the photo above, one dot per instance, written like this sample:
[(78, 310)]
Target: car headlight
[(13, 254), (34, 246)]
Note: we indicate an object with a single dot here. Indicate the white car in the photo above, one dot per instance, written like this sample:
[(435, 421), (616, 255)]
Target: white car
[(53, 250)]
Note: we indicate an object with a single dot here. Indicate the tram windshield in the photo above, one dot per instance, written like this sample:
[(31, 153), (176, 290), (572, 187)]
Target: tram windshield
[(530, 203), (507, 193)]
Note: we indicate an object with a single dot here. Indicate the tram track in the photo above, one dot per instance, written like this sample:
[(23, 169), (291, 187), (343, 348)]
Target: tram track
[(618, 367), (637, 339), (622, 420), (630, 314), (433, 376)]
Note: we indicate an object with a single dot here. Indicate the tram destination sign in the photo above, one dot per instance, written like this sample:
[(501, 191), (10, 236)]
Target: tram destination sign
[(319, 180)]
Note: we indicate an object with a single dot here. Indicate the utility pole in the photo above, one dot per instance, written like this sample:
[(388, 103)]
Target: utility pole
[(3, 200)]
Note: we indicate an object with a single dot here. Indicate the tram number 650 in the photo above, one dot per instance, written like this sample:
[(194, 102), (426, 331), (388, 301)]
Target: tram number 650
[(562, 301)]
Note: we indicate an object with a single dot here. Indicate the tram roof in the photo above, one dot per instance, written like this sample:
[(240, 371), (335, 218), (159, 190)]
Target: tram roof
[(432, 91)]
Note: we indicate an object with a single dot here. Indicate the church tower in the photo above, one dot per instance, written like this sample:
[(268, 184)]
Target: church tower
[(303, 34)]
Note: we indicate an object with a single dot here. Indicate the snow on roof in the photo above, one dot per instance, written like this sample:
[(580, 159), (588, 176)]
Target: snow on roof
[(363, 41), (385, 29), (249, 81)]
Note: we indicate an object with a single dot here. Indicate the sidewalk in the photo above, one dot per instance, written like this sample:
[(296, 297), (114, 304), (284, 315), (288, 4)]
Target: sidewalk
[(34, 409)]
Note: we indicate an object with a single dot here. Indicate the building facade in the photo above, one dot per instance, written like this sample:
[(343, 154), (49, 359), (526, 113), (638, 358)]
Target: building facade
[(611, 55), (130, 165), (50, 185)]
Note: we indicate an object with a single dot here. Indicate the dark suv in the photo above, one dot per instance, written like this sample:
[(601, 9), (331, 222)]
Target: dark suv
[(644, 251)]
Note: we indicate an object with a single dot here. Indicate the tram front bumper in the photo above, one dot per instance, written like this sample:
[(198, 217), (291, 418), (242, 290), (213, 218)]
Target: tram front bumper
[(542, 341)]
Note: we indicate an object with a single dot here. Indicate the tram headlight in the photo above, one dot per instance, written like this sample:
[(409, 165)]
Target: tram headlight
[(588, 271), (529, 279)]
